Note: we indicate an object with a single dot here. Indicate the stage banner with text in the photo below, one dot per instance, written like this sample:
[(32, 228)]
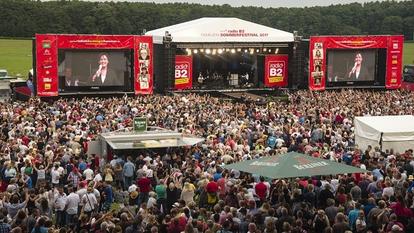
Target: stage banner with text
[(183, 72), (73, 41), (276, 70), (46, 66), (394, 62), (143, 82)]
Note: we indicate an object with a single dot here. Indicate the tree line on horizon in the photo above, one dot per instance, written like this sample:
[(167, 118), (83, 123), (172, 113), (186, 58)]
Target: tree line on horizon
[(25, 18)]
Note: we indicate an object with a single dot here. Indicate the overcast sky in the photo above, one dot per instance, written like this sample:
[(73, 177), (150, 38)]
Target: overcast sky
[(263, 3)]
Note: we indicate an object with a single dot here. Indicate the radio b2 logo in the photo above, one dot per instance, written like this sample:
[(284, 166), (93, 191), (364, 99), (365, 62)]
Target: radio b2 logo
[(181, 73), (276, 70)]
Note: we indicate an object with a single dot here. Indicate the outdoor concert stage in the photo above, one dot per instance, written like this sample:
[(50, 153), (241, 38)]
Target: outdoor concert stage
[(225, 53), (212, 55), (205, 54)]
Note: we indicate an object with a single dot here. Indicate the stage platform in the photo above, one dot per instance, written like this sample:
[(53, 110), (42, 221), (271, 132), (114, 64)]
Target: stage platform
[(227, 90), (356, 87), (242, 96), (257, 95)]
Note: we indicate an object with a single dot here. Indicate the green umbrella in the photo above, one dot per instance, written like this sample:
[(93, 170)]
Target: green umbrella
[(292, 164)]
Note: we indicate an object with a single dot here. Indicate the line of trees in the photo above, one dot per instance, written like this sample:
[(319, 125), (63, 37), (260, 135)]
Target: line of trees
[(24, 18)]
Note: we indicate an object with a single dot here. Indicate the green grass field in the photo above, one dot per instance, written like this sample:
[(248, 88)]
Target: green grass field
[(408, 53), (16, 55)]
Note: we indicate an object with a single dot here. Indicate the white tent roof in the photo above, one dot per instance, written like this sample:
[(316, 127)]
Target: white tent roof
[(389, 124), (395, 132), (217, 30)]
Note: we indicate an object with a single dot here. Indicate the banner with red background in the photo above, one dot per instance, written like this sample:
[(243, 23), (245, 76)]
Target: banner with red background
[(394, 62), (143, 81), (47, 80), (46, 65), (183, 72), (320, 44), (276, 70)]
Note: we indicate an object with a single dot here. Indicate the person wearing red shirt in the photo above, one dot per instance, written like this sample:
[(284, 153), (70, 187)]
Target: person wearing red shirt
[(212, 188), (144, 185), (3, 186), (177, 225), (221, 183), (261, 189), (25, 140)]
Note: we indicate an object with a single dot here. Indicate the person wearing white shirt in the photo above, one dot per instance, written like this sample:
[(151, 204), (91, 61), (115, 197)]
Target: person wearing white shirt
[(41, 175), (55, 175), (10, 172), (88, 174), (83, 191), (89, 201), (97, 178), (113, 162), (72, 204), (132, 188), (152, 201), (388, 190), (60, 204)]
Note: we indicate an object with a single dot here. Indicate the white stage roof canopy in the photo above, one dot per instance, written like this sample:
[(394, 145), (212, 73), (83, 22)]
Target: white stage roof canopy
[(218, 30)]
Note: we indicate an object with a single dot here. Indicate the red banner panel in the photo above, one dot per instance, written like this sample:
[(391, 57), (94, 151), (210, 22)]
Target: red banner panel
[(353, 60), (46, 68), (76, 76), (183, 72), (276, 70), (394, 62), (95, 41), (143, 81)]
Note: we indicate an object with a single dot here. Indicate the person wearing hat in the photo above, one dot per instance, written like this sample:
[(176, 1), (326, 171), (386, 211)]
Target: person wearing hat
[(89, 202)]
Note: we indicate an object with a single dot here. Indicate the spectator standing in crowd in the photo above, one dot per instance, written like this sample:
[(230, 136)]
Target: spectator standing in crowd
[(50, 184), (129, 171)]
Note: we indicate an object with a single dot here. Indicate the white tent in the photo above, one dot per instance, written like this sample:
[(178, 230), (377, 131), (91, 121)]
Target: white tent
[(218, 30), (395, 132)]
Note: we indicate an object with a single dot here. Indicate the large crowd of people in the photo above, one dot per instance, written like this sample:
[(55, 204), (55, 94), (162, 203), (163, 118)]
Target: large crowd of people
[(49, 183)]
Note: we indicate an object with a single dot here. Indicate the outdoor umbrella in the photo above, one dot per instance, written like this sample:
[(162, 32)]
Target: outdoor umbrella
[(292, 164)]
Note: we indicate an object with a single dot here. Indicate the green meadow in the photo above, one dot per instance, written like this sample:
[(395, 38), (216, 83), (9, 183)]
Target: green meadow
[(16, 56)]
